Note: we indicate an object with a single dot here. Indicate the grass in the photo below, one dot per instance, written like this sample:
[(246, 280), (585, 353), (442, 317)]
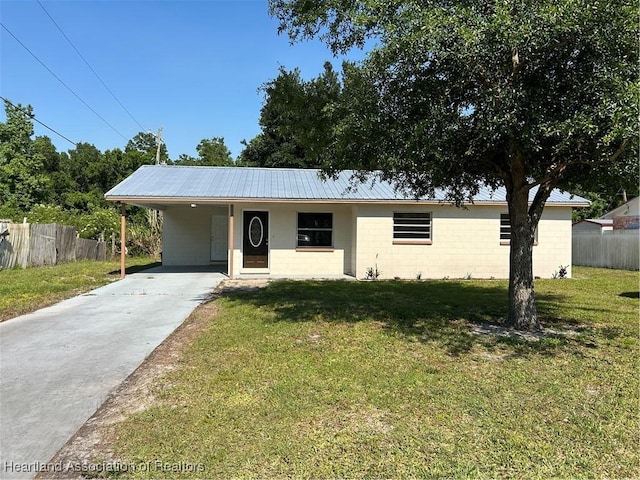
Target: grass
[(387, 379), (25, 290)]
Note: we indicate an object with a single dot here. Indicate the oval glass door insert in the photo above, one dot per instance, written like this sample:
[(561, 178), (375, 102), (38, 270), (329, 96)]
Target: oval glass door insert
[(256, 231)]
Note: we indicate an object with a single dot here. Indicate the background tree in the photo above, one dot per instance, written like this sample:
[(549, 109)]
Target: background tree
[(184, 159), (211, 152), (145, 143), (43, 146), (457, 95), (214, 152), (23, 181), (296, 123), (45, 186), (604, 200)]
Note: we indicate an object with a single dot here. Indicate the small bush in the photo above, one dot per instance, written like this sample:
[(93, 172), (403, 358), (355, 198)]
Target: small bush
[(562, 272), (372, 273)]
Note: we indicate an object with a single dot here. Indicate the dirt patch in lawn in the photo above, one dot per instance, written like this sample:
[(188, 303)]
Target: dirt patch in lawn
[(89, 450)]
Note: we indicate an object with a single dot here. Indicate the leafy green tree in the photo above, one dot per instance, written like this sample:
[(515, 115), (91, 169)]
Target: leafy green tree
[(145, 143), (456, 95), (184, 159), (214, 152), (297, 125), (82, 171), (68, 188), (43, 147), (211, 152), (118, 165), (23, 181), (599, 206), (61, 182)]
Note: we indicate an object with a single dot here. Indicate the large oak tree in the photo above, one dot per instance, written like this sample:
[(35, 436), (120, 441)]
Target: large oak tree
[(458, 94)]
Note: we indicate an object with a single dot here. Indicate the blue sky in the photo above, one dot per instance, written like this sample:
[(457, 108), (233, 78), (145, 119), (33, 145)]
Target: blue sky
[(192, 67)]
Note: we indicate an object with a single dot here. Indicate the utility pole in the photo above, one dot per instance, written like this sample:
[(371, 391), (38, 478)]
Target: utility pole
[(154, 216), (159, 142)]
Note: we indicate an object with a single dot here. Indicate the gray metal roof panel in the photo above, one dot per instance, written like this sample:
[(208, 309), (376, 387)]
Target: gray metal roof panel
[(246, 183)]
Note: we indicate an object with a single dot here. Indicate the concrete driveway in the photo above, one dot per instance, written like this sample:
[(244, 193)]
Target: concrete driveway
[(59, 364)]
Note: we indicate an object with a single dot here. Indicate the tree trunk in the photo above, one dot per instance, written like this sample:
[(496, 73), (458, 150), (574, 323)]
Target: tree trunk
[(523, 314)]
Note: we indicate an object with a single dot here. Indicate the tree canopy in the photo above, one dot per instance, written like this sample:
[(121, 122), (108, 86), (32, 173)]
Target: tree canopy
[(146, 144), (457, 95), (23, 182), (211, 152), (44, 185), (296, 121)]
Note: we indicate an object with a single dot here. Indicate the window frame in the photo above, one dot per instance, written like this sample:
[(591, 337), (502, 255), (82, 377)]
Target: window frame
[(502, 229), (300, 231), (504, 235), (427, 239)]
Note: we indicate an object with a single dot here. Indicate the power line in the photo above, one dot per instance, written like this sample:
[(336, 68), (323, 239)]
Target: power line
[(33, 117), (65, 85), (90, 68)]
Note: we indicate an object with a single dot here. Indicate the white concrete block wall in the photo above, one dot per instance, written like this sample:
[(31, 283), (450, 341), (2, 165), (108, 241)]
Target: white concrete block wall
[(284, 259), (554, 242), (464, 242), (186, 234), (353, 268)]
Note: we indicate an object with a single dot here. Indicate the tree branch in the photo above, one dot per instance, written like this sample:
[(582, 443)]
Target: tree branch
[(620, 150), (515, 61), (542, 195), (557, 169)]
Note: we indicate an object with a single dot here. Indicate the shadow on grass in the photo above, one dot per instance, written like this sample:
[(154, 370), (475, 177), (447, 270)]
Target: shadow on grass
[(453, 314), (630, 294)]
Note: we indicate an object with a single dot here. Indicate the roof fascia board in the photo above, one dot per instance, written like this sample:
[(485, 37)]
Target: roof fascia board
[(158, 201)]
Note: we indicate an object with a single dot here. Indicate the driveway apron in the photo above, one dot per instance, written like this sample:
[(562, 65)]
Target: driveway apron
[(59, 364)]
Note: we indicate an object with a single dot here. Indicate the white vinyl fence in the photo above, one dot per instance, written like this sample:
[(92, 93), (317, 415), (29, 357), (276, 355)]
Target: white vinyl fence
[(618, 249)]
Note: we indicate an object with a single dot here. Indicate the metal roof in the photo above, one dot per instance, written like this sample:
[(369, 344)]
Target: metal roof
[(163, 184)]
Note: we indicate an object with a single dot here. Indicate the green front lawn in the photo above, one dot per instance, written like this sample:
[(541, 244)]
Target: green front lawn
[(388, 379), (26, 290)]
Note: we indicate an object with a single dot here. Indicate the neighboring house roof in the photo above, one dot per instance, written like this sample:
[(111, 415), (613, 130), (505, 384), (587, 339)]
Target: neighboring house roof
[(590, 226), (600, 222), (164, 184), (630, 208)]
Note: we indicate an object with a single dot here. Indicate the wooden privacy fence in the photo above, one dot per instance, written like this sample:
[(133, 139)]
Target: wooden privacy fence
[(614, 249), (35, 245)]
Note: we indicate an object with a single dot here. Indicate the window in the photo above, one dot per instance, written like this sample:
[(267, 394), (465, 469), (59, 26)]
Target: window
[(410, 227), (505, 230), (315, 230)]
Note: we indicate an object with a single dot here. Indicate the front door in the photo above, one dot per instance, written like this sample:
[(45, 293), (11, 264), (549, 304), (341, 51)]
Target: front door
[(255, 240)]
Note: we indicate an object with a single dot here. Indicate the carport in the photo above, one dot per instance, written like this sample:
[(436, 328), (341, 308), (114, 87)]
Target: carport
[(212, 223)]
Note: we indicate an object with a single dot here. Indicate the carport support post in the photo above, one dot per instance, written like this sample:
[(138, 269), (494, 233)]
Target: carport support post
[(230, 272), (123, 238)]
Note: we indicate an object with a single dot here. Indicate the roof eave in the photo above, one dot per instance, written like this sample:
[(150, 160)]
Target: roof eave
[(160, 203)]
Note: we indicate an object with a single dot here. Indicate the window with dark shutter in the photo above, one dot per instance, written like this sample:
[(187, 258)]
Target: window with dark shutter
[(412, 226)]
